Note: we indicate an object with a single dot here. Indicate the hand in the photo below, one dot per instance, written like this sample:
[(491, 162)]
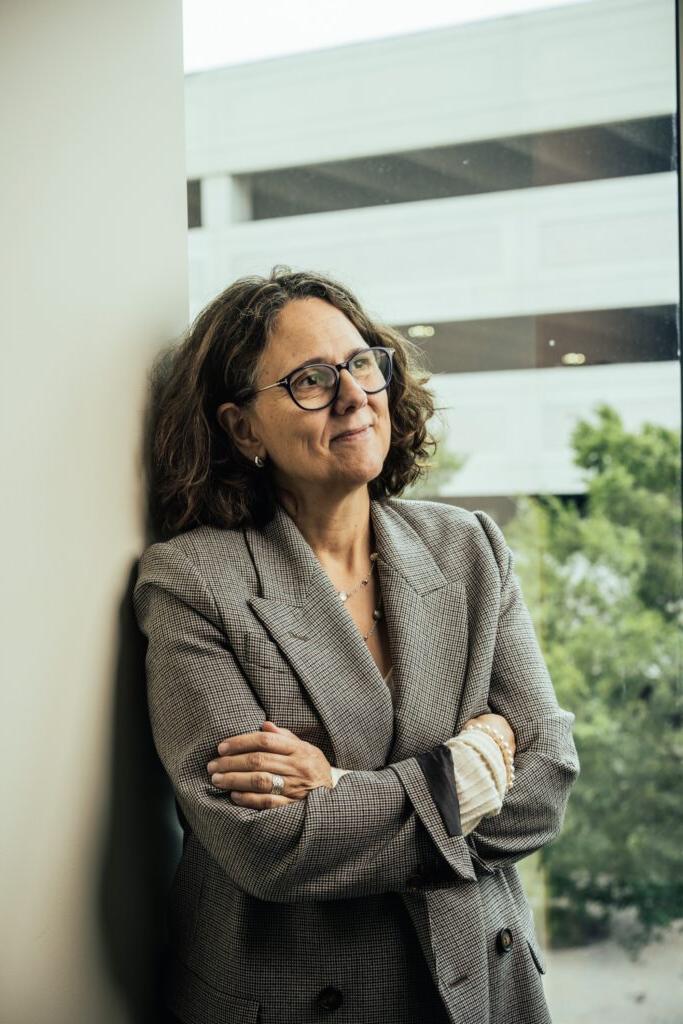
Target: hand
[(499, 723), (247, 763)]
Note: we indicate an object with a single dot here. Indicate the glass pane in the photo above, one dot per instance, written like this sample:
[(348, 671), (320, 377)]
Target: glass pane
[(504, 192)]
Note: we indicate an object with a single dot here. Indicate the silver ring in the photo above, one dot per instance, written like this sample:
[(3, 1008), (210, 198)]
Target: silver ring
[(278, 785)]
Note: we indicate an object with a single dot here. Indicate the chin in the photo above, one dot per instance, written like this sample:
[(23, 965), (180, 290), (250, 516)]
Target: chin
[(366, 473)]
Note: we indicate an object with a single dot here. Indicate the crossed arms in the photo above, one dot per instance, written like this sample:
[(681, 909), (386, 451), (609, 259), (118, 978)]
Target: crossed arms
[(385, 831)]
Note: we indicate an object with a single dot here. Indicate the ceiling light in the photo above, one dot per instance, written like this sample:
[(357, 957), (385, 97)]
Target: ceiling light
[(421, 331), (573, 358)]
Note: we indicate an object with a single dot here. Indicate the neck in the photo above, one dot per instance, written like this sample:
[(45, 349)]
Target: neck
[(339, 532)]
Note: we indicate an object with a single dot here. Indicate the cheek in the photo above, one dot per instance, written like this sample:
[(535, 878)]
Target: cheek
[(385, 426), (277, 420), (289, 435)]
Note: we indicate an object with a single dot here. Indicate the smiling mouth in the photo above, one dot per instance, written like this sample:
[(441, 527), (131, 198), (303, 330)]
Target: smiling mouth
[(351, 433)]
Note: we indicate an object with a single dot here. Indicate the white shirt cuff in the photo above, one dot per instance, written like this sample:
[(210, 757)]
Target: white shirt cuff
[(337, 774), (480, 776)]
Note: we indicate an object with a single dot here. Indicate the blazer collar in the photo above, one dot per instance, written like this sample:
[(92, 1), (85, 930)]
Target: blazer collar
[(289, 568), (300, 609)]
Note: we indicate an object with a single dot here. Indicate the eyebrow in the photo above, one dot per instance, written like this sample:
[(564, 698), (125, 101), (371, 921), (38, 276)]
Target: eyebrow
[(321, 359)]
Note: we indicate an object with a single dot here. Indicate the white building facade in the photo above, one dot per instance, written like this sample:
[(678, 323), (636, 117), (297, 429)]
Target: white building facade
[(505, 192)]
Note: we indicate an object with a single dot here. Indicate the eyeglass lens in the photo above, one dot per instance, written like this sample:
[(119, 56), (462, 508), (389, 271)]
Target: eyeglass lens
[(313, 386)]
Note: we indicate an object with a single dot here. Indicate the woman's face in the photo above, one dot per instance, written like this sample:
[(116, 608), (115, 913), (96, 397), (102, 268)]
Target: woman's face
[(306, 450)]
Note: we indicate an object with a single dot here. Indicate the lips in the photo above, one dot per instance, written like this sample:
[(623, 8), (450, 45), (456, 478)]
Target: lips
[(349, 433)]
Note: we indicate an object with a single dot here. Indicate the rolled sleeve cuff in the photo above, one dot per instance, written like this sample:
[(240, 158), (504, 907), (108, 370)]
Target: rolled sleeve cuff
[(437, 767)]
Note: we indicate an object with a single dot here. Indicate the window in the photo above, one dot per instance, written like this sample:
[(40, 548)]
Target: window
[(506, 193), (588, 153)]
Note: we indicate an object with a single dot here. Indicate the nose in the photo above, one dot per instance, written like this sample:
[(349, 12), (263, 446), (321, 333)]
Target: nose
[(351, 394)]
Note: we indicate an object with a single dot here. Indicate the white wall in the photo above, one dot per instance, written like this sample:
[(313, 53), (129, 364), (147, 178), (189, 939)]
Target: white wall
[(93, 280)]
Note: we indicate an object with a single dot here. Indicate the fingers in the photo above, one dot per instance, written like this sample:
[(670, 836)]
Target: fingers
[(247, 762), (258, 801), (254, 761), (253, 773), (282, 742), (271, 727), (255, 782), (254, 789)]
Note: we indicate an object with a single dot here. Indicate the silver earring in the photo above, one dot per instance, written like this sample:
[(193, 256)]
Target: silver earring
[(259, 461)]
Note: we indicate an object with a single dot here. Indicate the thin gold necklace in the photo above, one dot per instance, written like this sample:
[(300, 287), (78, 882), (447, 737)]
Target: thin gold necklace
[(344, 595)]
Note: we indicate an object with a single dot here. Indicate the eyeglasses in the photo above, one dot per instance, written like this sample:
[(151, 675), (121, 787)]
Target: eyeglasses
[(317, 385)]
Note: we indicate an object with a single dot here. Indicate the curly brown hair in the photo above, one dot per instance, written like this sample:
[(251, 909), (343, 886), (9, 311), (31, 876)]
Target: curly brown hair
[(196, 473)]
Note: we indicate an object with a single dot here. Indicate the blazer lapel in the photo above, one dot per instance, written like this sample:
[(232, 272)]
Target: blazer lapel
[(316, 634), (426, 617), (427, 625)]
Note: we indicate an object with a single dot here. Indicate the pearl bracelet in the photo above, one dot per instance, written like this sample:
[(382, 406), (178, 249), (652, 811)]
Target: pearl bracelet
[(505, 749)]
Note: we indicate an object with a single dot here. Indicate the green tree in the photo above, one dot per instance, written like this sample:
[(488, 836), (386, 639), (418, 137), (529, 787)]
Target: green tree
[(603, 579), (604, 586)]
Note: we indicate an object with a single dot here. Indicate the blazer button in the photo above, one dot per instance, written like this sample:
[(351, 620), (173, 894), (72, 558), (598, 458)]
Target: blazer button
[(504, 940), (329, 999)]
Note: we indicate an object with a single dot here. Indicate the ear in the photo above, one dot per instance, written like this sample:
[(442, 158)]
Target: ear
[(237, 423)]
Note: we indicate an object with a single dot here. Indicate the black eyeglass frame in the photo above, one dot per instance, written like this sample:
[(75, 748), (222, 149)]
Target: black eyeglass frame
[(285, 382)]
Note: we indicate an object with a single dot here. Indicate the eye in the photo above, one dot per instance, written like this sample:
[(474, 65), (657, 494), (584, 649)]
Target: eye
[(310, 378), (362, 361)]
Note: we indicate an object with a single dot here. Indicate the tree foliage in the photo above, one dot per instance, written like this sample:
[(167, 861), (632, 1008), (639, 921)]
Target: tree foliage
[(603, 579), (604, 584)]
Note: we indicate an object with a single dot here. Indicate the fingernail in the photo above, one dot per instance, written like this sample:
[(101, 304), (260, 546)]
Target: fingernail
[(211, 766), (217, 777), (223, 747)]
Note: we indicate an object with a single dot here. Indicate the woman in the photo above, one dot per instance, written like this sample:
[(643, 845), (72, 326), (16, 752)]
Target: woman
[(316, 648)]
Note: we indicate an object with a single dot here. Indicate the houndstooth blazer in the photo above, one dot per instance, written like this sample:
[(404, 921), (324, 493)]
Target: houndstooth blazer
[(298, 913)]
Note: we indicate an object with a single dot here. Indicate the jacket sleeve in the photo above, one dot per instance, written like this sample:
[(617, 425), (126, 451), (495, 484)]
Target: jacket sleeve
[(478, 770), (337, 843), (546, 760)]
